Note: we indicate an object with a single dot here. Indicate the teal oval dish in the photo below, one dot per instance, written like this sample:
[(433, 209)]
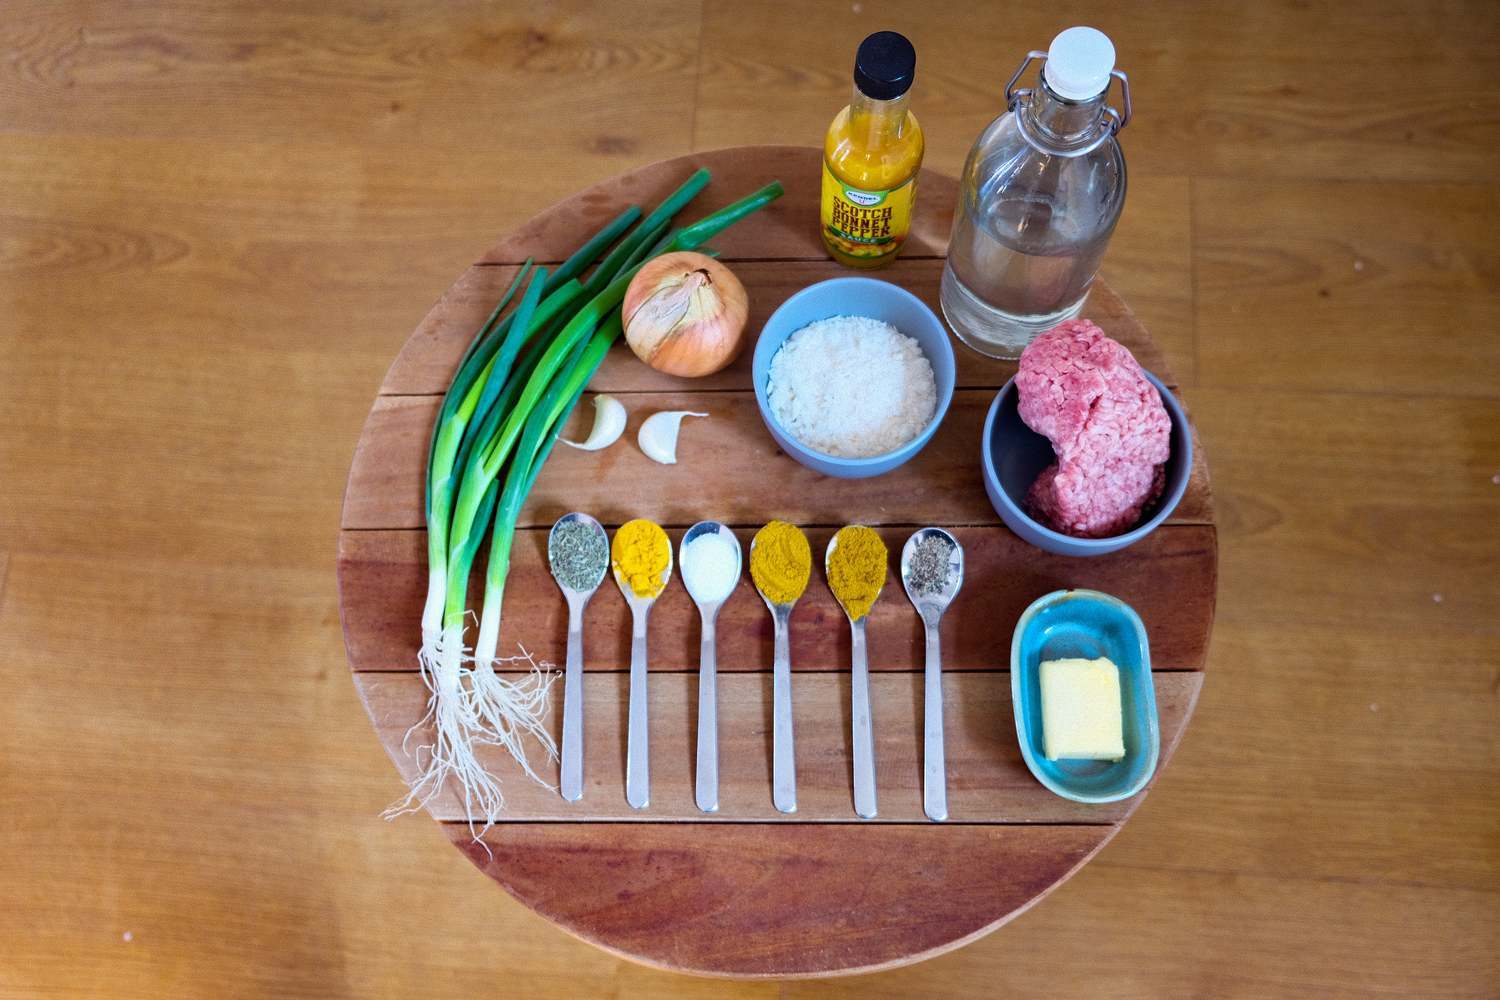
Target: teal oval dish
[(1088, 624)]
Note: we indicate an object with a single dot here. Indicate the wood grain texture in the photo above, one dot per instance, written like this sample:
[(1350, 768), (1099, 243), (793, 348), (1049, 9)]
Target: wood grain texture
[(210, 254), (1169, 578), (988, 782), (387, 74), (1363, 512), (1268, 278), (1349, 940), (681, 896), (1218, 105), (1422, 714)]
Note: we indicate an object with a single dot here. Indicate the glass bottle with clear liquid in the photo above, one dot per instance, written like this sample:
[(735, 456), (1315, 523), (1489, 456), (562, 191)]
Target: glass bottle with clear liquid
[(1038, 200)]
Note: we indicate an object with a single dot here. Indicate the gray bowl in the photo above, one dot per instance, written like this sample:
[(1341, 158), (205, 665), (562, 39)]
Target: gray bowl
[(855, 296), (1013, 455)]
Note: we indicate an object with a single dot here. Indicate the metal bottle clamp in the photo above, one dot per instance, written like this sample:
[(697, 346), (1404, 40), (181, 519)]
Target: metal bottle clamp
[(1015, 97)]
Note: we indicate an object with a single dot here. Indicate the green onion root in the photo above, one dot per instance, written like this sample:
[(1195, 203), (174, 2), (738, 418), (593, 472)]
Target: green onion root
[(451, 754)]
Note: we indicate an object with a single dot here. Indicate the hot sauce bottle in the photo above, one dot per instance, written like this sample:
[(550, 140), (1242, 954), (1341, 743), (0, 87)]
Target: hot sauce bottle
[(871, 156)]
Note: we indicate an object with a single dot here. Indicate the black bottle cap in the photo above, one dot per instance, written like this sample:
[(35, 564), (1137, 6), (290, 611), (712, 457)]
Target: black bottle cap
[(884, 65)]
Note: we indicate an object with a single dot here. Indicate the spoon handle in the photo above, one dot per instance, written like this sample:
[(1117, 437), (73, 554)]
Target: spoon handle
[(572, 733), (707, 791), (637, 748), (864, 736), (783, 757), (934, 772)]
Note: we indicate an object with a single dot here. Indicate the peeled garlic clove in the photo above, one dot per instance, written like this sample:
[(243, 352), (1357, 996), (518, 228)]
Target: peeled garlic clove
[(609, 424), (658, 435)]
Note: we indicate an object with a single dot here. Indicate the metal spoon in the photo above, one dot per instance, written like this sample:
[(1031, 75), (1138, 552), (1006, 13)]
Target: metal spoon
[(572, 735), (707, 790), (783, 748), (931, 605), (864, 732), (637, 739)]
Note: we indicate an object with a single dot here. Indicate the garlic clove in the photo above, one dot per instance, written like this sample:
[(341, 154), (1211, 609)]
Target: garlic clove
[(658, 435), (609, 424)]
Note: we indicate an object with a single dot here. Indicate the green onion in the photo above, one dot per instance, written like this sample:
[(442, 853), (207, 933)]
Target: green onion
[(614, 264), (589, 252), (465, 376), (484, 462), (647, 247), (513, 710), (440, 658), (515, 387), (483, 346), (545, 420), (493, 397), (484, 337), (450, 433), (706, 228)]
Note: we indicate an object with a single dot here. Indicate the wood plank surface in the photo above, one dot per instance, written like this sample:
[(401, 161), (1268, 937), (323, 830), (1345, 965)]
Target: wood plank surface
[(220, 224), (1246, 95), (1350, 925), (366, 75), (988, 782), (1169, 578), (681, 893), (1386, 282), (1388, 502), (753, 479)]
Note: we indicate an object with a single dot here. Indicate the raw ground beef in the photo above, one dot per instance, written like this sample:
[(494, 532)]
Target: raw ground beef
[(1087, 395)]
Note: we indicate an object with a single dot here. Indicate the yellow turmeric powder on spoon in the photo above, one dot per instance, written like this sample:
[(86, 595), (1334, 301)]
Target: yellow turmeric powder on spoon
[(642, 554), (780, 562), (856, 569)]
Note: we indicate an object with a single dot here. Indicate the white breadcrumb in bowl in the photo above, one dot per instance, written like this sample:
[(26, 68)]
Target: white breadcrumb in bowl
[(851, 387)]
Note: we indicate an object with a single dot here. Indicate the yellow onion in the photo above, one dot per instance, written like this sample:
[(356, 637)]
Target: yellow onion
[(685, 314)]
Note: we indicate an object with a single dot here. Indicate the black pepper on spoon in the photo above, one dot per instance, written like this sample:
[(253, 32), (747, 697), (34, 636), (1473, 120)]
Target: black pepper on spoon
[(932, 571)]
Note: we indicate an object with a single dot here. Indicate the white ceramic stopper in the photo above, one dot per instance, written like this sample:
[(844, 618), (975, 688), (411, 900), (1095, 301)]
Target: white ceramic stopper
[(1079, 63)]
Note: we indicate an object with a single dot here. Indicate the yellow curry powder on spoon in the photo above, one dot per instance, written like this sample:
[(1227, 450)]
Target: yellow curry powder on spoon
[(780, 562), (856, 569), (641, 554)]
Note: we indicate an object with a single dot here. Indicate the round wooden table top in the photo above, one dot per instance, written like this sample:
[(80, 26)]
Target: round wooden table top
[(748, 891)]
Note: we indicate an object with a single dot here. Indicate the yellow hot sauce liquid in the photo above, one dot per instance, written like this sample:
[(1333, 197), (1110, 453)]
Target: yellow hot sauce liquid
[(870, 160)]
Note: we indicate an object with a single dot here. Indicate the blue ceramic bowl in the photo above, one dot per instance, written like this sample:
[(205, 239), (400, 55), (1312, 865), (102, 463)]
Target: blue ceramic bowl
[(1013, 455), (1088, 624), (855, 296)]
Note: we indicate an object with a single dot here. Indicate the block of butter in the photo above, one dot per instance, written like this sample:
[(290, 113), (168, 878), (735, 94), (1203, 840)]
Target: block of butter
[(1082, 718)]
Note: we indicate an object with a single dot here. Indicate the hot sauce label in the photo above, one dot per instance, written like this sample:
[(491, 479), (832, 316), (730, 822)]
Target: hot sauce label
[(866, 223)]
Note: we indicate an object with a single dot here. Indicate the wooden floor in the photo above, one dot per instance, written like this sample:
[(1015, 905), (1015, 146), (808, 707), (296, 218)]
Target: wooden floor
[(219, 221)]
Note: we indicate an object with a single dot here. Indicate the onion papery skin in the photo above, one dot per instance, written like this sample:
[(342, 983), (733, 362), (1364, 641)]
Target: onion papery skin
[(685, 315)]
